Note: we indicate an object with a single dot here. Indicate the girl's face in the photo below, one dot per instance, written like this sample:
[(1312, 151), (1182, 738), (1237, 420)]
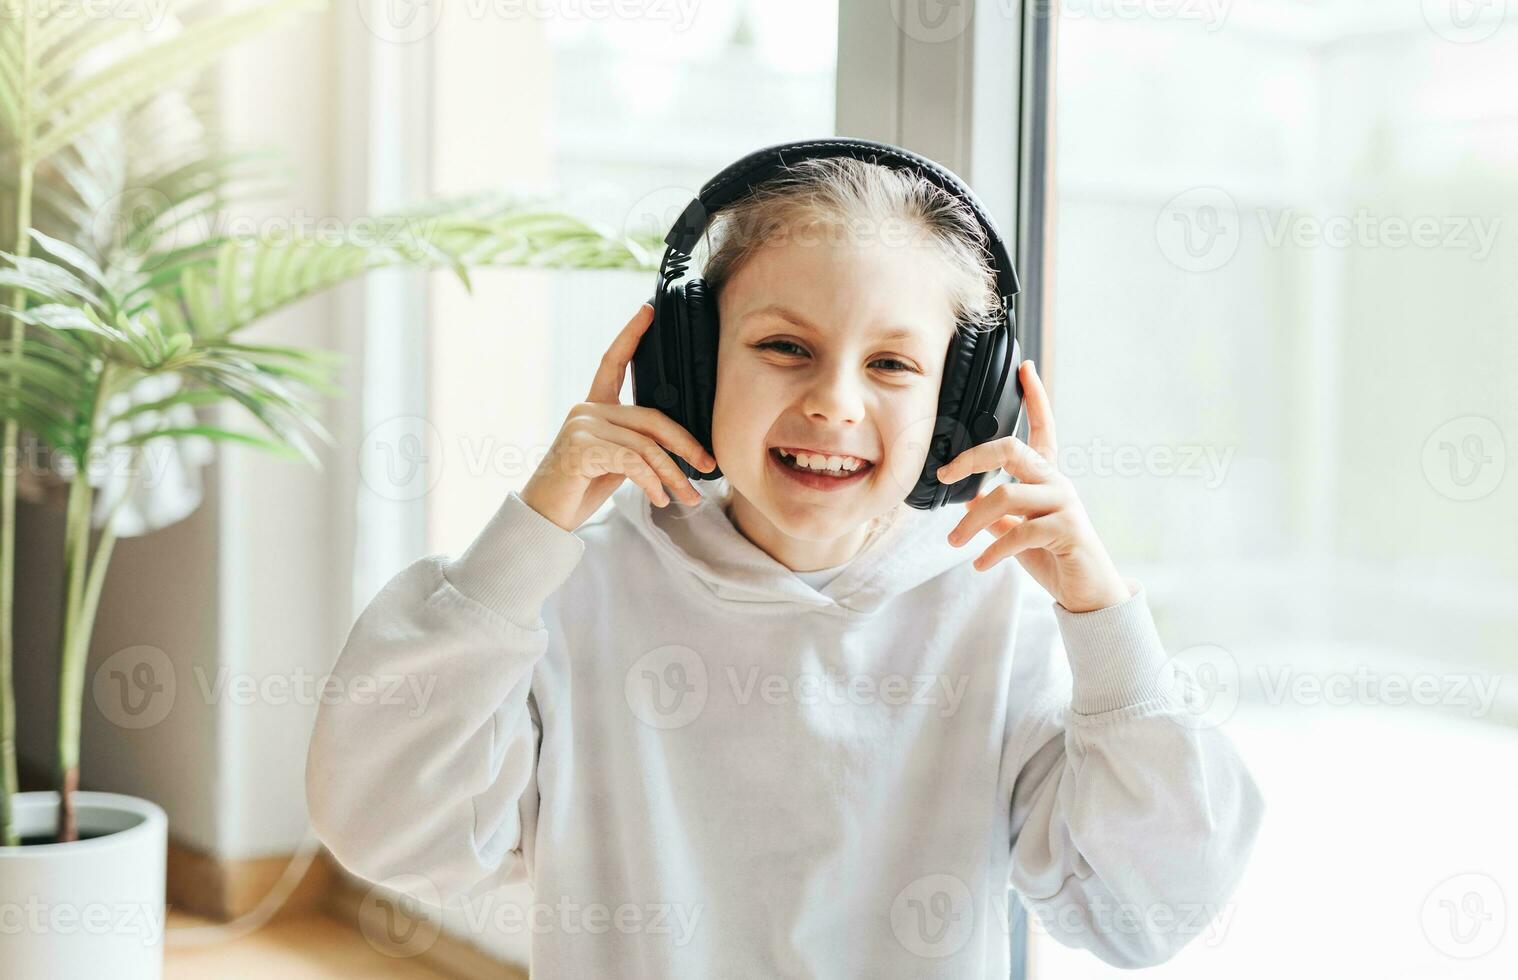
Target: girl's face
[(836, 344)]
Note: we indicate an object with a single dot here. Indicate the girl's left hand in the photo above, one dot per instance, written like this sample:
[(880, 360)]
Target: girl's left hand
[(1041, 519)]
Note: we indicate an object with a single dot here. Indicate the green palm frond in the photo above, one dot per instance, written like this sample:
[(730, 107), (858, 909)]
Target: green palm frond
[(245, 279), (48, 100), (63, 370)]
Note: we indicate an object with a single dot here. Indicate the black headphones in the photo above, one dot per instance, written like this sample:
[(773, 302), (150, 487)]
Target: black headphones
[(675, 365)]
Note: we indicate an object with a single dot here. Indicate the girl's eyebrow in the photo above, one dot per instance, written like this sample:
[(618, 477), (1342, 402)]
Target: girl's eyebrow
[(791, 316)]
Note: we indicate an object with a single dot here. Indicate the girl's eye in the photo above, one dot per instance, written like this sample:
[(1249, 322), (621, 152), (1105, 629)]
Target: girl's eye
[(776, 345)]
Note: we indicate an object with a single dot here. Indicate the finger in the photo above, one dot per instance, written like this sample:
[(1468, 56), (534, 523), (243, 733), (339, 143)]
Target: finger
[(1008, 452), (1037, 533), (1040, 413), (607, 385), (1002, 525), (601, 457), (1021, 499), (669, 433), (654, 454)]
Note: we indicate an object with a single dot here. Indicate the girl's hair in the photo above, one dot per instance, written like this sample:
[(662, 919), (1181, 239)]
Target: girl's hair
[(852, 199)]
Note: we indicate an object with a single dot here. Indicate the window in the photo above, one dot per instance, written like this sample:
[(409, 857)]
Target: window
[(1281, 326), (640, 114)]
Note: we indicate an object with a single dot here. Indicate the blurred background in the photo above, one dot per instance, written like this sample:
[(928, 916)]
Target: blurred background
[(1269, 250)]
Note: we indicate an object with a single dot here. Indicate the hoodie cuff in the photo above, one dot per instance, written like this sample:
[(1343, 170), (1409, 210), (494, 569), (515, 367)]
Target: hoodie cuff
[(516, 562), (1116, 657)]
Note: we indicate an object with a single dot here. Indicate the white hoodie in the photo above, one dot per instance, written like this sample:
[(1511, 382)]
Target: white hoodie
[(707, 769)]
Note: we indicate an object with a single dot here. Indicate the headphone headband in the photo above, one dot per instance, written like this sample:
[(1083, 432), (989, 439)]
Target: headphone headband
[(741, 177), (674, 368)]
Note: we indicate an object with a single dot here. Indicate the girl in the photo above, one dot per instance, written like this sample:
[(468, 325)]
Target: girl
[(790, 726)]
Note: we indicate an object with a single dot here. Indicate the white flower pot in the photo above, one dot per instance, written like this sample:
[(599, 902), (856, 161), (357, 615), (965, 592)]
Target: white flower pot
[(88, 909)]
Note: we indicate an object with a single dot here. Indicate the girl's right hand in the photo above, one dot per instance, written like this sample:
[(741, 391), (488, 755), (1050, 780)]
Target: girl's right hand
[(603, 442)]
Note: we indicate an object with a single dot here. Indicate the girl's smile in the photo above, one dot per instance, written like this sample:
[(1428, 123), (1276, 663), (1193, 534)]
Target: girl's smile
[(815, 480)]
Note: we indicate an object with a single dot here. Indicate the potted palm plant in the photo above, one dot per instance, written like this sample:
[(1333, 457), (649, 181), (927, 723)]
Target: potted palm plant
[(125, 330)]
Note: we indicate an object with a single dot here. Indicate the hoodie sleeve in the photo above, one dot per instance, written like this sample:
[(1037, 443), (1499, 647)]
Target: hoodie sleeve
[(438, 779), (1131, 821)]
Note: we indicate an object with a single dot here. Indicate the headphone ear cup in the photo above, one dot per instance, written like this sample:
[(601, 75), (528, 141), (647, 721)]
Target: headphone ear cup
[(702, 332), (955, 388), (653, 359)]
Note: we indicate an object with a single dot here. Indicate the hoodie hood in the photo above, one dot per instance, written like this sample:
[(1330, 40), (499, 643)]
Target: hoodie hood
[(908, 548)]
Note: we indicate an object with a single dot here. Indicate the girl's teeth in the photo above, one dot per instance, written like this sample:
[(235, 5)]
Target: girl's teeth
[(825, 464)]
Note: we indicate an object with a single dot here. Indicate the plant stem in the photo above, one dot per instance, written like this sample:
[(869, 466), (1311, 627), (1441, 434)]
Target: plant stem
[(10, 465), (78, 614)]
